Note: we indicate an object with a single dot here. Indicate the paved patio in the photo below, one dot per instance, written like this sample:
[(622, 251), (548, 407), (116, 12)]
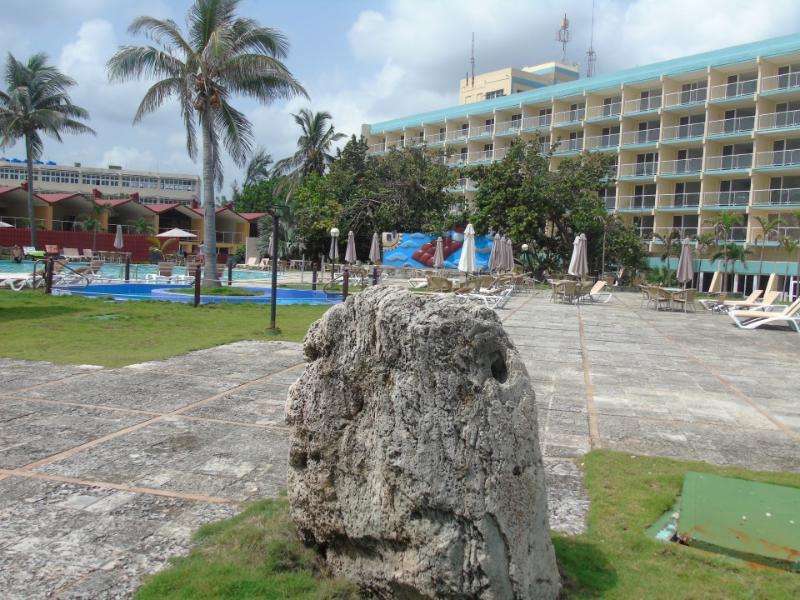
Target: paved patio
[(105, 473)]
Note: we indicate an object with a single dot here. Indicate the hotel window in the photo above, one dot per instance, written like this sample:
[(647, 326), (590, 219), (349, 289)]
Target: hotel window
[(741, 85), (785, 152), (545, 116), (788, 114), (644, 196), (784, 190), (611, 106), (644, 224), (685, 224), (577, 111), (12, 173), (441, 134), (788, 76), (575, 141), (734, 192), (694, 92), (516, 121), (609, 197), (494, 94), (544, 144), (740, 119), (90, 179), (737, 156), (691, 126), (648, 131), (650, 99), (609, 137), (646, 164), (687, 193)]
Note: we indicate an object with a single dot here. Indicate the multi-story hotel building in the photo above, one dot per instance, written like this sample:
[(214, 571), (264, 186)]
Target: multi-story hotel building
[(694, 136), (152, 188)]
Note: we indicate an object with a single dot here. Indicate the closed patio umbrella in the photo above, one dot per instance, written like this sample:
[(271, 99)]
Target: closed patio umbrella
[(375, 249), (496, 255), (466, 264), (685, 271), (578, 265), (118, 243), (510, 254), (350, 252), (438, 255)]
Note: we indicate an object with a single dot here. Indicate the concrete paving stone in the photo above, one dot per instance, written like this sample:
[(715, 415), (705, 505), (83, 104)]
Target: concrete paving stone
[(20, 374), (567, 500), (248, 405)]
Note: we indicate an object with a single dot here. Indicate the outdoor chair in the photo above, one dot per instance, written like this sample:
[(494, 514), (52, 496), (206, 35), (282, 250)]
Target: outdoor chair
[(32, 252), (88, 254), (684, 300), (752, 319), (768, 300), (493, 301), (715, 304), (649, 296), (72, 254), (596, 294), (439, 284)]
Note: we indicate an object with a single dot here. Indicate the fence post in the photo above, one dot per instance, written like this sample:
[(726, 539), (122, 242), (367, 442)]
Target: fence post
[(127, 269), (48, 276), (231, 260), (345, 282), (314, 277), (374, 275), (197, 285)]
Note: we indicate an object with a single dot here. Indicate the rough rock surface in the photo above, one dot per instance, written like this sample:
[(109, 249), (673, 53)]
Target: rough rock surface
[(414, 463)]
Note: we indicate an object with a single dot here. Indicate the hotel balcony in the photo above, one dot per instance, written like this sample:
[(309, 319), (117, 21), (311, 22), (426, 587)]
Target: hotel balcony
[(637, 203), (415, 142), (537, 123), (569, 118), (641, 105), (730, 162), (610, 202), (481, 131), (777, 198), (689, 201), (641, 138), (684, 232), (737, 127), (376, 149), (645, 232), (737, 234), (475, 158), (726, 200), (463, 185), (638, 170), (606, 112), (782, 231), (602, 142), (778, 160), (571, 146), (780, 84), (779, 122), (675, 101), (435, 139), (726, 92), (508, 128), (681, 167), (681, 134), (457, 135)]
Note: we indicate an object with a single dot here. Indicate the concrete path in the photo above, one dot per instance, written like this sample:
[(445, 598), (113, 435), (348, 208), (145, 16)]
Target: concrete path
[(105, 473)]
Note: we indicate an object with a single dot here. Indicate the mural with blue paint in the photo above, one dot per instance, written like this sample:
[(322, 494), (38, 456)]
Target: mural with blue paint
[(417, 249)]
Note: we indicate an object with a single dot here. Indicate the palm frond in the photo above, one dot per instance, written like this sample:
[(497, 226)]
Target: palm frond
[(143, 62)]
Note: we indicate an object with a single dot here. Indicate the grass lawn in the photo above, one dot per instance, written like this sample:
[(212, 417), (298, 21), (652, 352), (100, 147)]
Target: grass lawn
[(256, 554), (71, 329)]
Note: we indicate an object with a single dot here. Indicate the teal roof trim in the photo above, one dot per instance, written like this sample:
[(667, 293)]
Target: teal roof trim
[(716, 58), (529, 82), (556, 69)]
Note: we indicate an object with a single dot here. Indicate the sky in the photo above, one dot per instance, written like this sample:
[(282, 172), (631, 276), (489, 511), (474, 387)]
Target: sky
[(362, 61)]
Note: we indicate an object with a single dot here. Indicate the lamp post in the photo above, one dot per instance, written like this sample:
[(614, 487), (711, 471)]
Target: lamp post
[(526, 257), (273, 304), (333, 254)]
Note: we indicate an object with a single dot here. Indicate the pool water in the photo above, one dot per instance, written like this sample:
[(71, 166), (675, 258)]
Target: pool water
[(164, 292), (138, 270)]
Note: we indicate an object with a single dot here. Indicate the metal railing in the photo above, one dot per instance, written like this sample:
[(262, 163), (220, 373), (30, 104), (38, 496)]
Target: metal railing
[(735, 234), (681, 132), (610, 202), (686, 97), (681, 165), (537, 121), (777, 158), (569, 145), (21, 222), (456, 134), (477, 131), (785, 81), (639, 169), (688, 231), (726, 198), (394, 144), (680, 200), (738, 89), (776, 196), (731, 161), (435, 138), (645, 232), (779, 120), (642, 136), (464, 185), (415, 141), (604, 111), (638, 105), (636, 202), (734, 125), (505, 127), (610, 140), (569, 116), (229, 237), (377, 148)]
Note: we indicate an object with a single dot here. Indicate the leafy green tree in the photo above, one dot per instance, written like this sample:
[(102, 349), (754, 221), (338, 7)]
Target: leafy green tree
[(731, 253), (257, 197), (223, 55), (316, 211), (670, 244), (790, 246), (142, 225), (92, 221), (723, 226), (769, 229), (313, 153), (37, 101)]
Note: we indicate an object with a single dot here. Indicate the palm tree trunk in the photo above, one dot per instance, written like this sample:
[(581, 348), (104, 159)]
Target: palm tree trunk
[(31, 210), (210, 225)]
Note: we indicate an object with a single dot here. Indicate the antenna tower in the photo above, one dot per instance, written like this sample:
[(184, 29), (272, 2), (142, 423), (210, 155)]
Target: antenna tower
[(472, 59), (563, 36), (591, 55)]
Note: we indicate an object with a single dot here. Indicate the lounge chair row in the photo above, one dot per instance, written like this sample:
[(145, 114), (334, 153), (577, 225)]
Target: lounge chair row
[(758, 317)]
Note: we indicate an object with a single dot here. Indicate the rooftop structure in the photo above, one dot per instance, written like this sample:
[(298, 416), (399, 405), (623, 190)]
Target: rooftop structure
[(508, 81)]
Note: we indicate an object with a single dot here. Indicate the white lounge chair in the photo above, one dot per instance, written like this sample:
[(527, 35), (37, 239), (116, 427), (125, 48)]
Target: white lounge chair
[(752, 319), (493, 301), (72, 254), (596, 294)]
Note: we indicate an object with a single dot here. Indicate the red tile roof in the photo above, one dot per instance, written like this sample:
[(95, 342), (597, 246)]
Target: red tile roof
[(54, 198), (253, 216), (159, 208)]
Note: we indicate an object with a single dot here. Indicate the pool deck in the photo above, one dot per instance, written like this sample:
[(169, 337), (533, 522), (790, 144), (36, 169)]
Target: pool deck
[(105, 473)]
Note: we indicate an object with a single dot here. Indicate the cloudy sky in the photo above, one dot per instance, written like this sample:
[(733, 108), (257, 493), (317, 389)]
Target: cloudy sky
[(363, 61)]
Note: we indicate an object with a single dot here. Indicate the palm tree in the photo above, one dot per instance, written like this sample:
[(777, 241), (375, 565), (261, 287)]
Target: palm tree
[(258, 168), (731, 253), (313, 146), (705, 241), (608, 221), (769, 229), (222, 55), (790, 246), (92, 221), (37, 101), (723, 226), (142, 225), (670, 242)]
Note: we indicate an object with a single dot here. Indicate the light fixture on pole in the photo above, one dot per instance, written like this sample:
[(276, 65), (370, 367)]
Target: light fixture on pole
[(333, 254), (526, 258)]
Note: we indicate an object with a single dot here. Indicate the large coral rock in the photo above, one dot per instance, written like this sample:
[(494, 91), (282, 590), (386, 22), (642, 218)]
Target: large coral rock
[(414, 465)]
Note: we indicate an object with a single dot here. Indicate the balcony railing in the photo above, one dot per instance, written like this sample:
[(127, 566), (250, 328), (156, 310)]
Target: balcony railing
[(680, 200), (777, 197), (787, 81), (610, 140), (456, 134), (415, 141), (734, 125), (727, 91), (464, 185), (478, 131), (686, 98), (778, 158), (229, 237), (508, 127), (21, 222), (645, 232), (736, 234), (729, 162), (571, 145), (779, 120), (377, 148), (604, 111), (394, 144), (435, 138), (642, 136), (537, 121), (482, 156), (682, 132), (610, 202), (569, 116), (681, 165), (639, 169), (687, 231), (637, 202), (642, 104), (726, 198)]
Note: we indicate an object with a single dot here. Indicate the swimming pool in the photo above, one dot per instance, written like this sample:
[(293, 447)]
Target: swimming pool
[(164, 292), (138, 270)]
